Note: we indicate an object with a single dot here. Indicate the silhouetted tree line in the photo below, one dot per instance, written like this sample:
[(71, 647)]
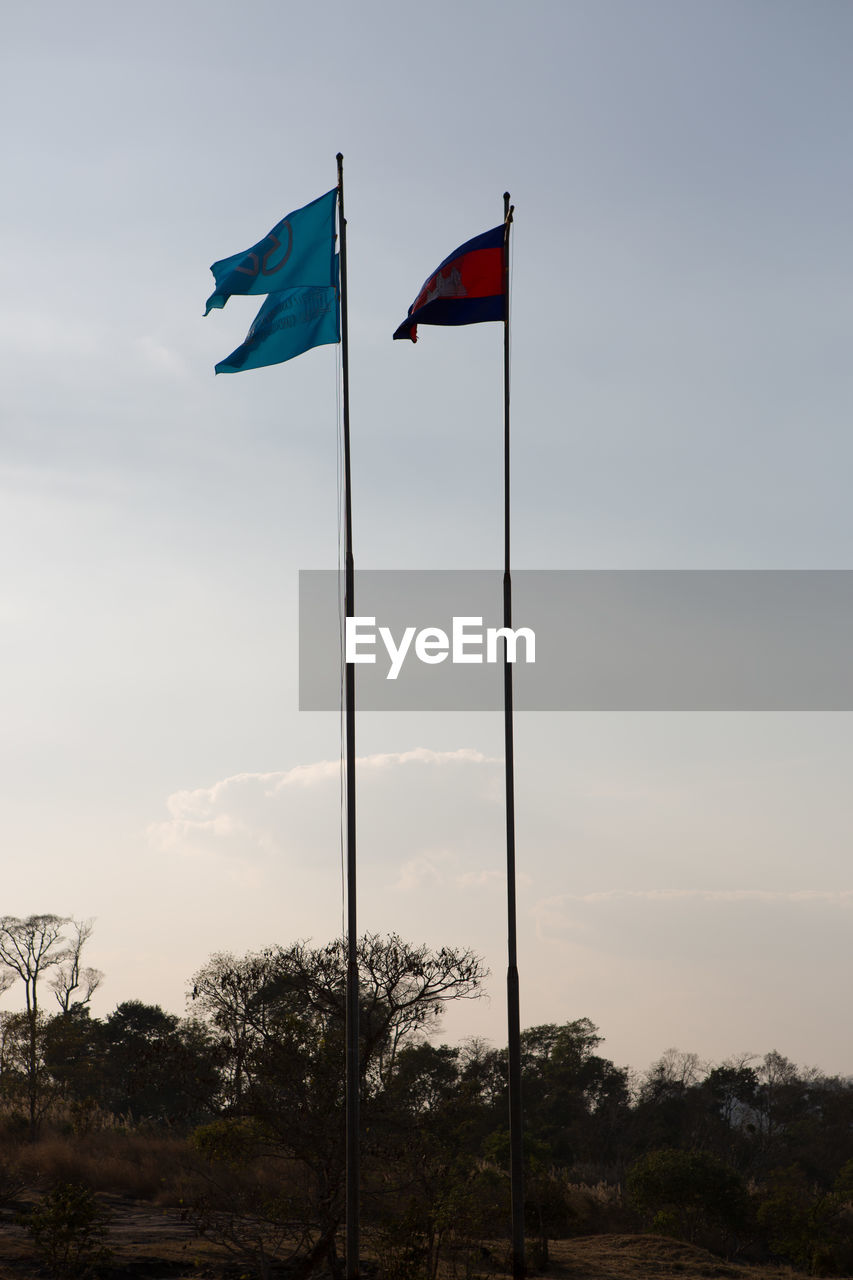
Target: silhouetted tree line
[(753, 1156)]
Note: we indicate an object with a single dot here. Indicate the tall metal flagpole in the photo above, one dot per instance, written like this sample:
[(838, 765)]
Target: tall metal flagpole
[(516, 1151), (352, 1080)]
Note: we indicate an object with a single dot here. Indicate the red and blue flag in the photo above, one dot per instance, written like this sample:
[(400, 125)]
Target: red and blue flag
[(467, 288)]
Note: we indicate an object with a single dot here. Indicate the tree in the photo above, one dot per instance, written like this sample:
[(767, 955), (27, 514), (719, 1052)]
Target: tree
[(730, 1097), (576, 1101), (733, 1090), (284, 1009), (430, 1191), (71, 976), (226, 991), (73, 1055), (402, 992), (28, 948), (671, 1110), (158, 1067)]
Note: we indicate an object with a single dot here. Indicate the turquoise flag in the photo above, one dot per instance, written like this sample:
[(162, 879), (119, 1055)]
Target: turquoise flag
[(288, 324), (300, 250)]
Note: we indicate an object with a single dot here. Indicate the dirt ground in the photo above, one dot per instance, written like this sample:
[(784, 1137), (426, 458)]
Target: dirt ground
[(146, 1241), (632, 1257), (155, 1244)]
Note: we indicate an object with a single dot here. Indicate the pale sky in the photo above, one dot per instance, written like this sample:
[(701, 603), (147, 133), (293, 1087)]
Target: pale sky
[(682, 310)]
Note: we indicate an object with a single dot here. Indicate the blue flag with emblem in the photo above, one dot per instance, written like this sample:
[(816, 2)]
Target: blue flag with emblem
[(288, 324), (299, 251)]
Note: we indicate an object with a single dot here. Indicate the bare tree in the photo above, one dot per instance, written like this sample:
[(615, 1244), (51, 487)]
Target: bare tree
[(28, 948), (71, 976), (672, 1075)]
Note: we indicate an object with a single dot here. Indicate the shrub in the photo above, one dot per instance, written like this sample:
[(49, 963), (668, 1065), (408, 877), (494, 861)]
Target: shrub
[(68, 1229), (810, 1228), (684, 1193)]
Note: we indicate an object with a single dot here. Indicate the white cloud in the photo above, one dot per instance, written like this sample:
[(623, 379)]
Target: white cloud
[(425, 871), (267, 849), (484, 879), (297, 811)]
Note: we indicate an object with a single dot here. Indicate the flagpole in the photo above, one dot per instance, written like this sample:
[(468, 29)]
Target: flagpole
[(516, 1151), (352, 1071)]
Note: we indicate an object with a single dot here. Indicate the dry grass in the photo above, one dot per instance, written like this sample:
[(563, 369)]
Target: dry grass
[(142, 1166)]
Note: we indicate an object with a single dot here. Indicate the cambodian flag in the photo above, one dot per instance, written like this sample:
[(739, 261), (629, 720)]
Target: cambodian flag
[(467, 288)]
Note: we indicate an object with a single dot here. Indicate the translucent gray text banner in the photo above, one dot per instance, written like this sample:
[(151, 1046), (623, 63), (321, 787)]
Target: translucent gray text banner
[(605, 640)]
